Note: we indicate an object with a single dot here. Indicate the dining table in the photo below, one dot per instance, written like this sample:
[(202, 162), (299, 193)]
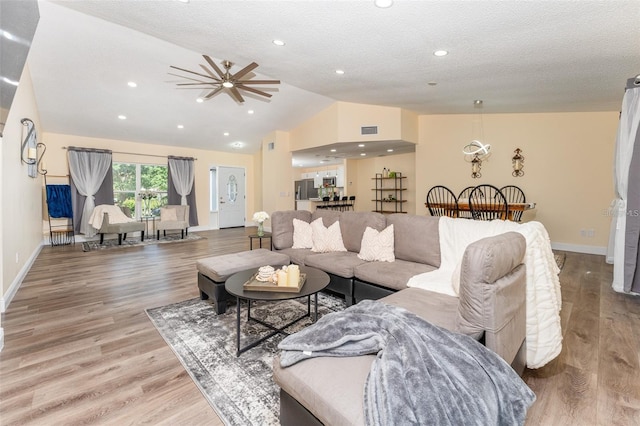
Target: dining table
[(463, 206)]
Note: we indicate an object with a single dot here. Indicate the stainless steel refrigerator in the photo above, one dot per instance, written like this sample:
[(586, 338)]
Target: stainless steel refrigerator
[(304, 189)]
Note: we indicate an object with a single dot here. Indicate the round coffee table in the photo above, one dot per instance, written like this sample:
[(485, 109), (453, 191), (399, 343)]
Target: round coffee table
[(316, 280)]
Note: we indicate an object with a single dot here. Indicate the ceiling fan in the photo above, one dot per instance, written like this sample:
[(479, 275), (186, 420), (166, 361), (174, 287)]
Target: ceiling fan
[(220, 80)]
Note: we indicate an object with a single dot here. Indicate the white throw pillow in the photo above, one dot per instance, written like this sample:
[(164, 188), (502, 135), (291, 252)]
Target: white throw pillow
[(302, 234), (377, 245), (326, 239), (168, 215), (455, 278)]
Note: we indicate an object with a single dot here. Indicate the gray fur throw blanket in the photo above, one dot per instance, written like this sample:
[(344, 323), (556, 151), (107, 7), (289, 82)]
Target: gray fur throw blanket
[(422, 375)]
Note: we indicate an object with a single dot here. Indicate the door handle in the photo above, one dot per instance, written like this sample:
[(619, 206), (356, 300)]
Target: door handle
[(222, 202)]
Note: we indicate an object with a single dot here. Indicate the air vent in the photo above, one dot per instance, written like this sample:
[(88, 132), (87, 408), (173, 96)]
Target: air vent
[(369, 130)]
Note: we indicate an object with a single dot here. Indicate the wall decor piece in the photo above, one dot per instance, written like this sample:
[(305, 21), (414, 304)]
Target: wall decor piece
[(518, 163)]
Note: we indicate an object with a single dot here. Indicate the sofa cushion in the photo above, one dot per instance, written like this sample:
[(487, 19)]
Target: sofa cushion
[(339, 263), (302, 234), (437, 308), (353, 225), (329, 217), (297, 256), (326, 239), (377, 245), (393, 275), (282, 227), (330, 388), (417, 238), (218, 268)]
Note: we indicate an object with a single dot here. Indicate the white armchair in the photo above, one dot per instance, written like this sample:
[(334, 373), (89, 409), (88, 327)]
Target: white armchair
[(173, 217)]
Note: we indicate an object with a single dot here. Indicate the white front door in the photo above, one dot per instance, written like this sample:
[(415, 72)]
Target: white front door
[(231, 197)]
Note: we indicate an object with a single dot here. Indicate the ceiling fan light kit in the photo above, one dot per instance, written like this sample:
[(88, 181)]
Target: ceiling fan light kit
[(219, 80)]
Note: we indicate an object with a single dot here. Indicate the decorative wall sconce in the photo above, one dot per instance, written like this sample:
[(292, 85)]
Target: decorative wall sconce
[(518, 163), (35, 150), (476, 165)]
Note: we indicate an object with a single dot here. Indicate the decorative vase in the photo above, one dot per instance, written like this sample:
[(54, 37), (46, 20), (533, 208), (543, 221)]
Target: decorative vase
[(261, 229)]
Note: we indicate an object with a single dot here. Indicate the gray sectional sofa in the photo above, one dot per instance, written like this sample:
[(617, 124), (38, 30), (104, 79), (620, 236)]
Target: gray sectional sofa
[(490, 306)]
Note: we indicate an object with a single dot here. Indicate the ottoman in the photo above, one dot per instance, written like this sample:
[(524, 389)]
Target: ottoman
[(214, 271)]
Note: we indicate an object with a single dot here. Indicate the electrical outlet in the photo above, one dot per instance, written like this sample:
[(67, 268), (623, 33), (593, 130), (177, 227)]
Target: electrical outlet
[(591, 233), (17, 257), (583, 233)]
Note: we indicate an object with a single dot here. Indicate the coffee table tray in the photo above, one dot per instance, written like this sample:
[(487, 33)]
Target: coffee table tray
[(254, 285)]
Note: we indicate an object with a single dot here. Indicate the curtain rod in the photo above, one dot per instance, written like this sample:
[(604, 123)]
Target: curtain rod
[(136, 153)]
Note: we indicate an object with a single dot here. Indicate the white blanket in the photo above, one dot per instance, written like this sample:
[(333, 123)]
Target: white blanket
[(115, 215), (544, 333)]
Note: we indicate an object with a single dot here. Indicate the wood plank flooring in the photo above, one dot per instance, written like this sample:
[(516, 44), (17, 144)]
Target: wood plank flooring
[(79, 348)]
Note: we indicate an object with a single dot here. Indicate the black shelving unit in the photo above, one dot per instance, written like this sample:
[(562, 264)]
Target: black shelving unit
[(63, 233), (389, 193)]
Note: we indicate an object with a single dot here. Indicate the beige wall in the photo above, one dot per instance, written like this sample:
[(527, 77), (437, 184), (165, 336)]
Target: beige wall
[(57, 164), (21, 195), (319, 130), (568, 166), (351, 117), (277, 175)]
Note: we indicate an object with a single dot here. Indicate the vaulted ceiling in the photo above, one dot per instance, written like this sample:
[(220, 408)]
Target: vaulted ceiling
[(536, 56)]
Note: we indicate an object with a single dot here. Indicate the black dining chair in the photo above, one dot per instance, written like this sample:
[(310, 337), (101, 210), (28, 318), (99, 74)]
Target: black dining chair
[(463, 197), (441, 201), (487, 202), (514, 194)]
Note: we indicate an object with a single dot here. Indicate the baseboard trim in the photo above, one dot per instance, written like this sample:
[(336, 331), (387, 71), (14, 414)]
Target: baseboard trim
[(17, 281), (602, 251), (1, 338)]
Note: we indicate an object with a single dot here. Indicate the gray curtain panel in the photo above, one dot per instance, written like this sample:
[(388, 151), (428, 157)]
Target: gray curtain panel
[(182, 165), (91, 175), (632, 233)]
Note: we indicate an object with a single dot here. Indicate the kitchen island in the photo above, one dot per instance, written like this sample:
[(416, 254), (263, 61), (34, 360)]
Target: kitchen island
[(310, 205)]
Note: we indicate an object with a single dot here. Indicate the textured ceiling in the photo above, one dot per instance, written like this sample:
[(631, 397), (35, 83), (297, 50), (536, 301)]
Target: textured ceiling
[(535, 56)]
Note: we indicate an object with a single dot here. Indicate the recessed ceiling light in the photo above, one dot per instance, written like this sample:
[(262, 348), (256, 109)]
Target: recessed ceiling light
[(440, 53), (333, 150), (122, 117), (278, 42), (199, 100), (183, 1), (226, 133), (250, 111), (180, 126), (361, 145), (363, 154), (132, 84), (340, 72), (390, 150), (383, 4)]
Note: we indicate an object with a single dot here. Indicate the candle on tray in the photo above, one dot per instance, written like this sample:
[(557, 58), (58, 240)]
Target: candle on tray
[(282, 278), (294, 275)]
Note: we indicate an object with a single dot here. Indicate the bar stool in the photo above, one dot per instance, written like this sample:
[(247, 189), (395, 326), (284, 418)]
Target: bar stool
[(352, 202)]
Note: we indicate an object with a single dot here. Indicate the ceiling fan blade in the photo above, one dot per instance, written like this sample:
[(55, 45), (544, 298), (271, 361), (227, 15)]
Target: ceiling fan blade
[(236, 94), (252, 90), (244, 70), (198, 84), (213, 92), (214, 66), (260, 82), (208, 71), (192, 72)]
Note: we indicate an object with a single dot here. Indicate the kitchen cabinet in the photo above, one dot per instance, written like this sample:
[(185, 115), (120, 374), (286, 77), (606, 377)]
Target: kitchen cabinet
[(340, 177)]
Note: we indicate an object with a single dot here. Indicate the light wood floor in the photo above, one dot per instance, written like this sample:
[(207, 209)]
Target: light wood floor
[(79, 348)]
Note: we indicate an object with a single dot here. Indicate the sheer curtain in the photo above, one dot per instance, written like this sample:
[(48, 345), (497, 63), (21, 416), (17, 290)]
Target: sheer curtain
[(88, 168), (181, 186), (626, 138)]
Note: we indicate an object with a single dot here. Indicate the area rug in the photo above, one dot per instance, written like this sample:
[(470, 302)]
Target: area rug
[(240, 389), (135, 242), (560, 258)]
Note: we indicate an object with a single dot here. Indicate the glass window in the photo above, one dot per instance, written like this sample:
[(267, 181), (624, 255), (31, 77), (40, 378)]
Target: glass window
[(141, 187)]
